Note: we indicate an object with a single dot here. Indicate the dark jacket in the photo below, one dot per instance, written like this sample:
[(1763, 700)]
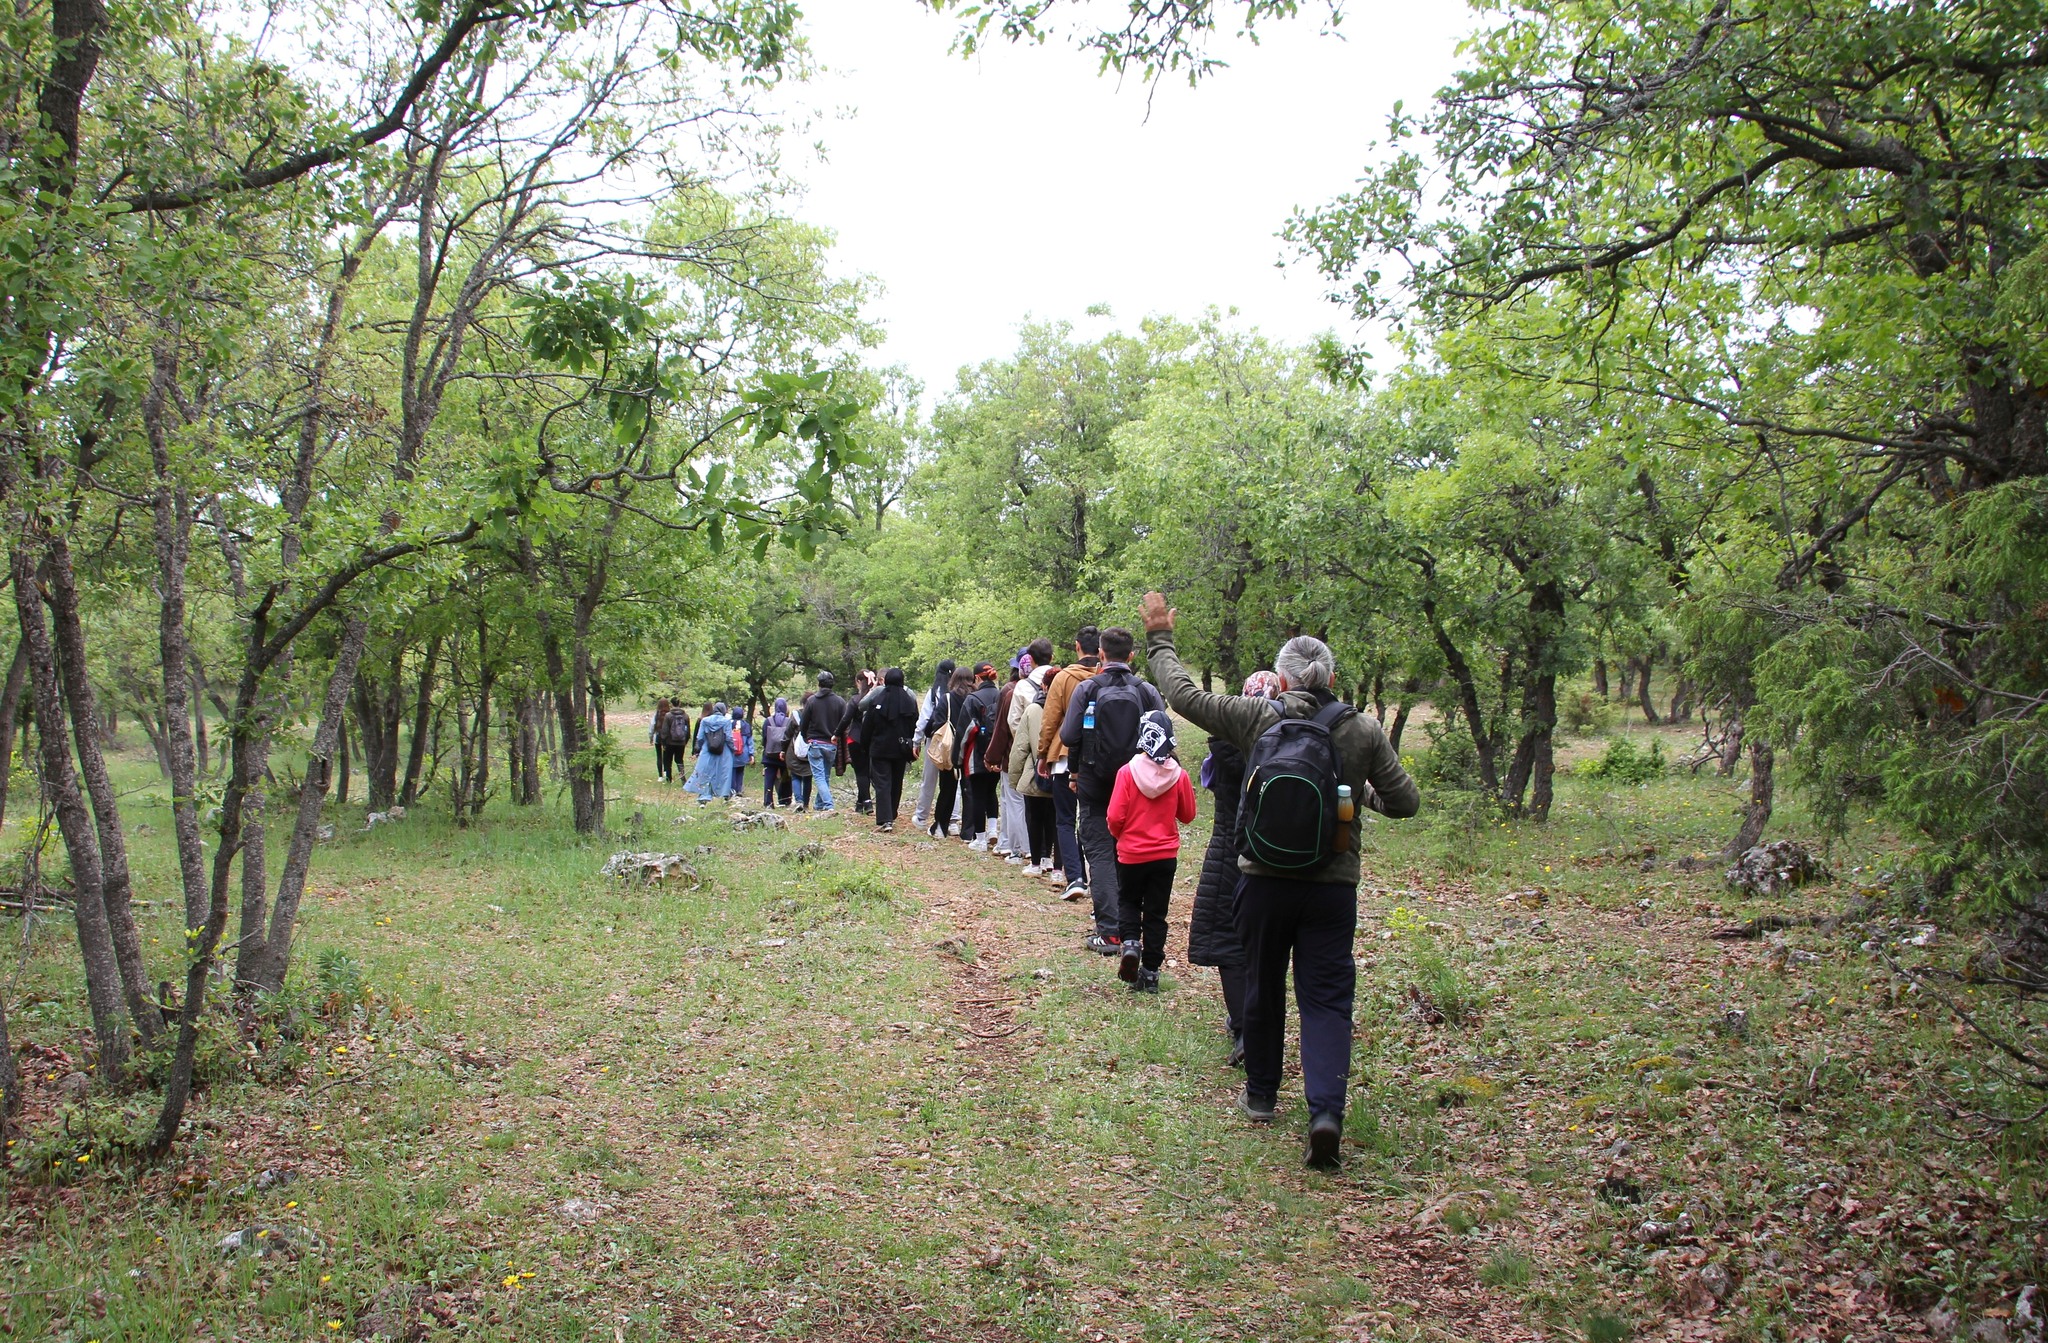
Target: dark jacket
[(1361, 743), (888, 723), (995, 752), (977, 712), (1212, 927), (1089, 783), (822, 718)]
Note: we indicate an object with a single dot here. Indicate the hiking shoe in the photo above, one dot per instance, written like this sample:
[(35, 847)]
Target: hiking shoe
[(1325, 1133), (885, 829), (1255, 1108), (1236, 1059), (1148, 981), (1127, 968), (1107, 946), (1076, 892)]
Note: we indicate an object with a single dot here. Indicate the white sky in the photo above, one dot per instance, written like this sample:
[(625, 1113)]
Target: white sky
[(1023, 185)]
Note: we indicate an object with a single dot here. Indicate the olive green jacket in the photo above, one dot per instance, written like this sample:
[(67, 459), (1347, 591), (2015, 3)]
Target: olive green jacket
[(1240, 720)]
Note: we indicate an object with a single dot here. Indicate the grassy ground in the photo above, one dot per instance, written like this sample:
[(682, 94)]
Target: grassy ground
[(881, 1093)]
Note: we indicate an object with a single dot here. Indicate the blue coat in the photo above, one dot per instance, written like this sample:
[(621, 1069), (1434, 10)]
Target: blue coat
[(713, 775)]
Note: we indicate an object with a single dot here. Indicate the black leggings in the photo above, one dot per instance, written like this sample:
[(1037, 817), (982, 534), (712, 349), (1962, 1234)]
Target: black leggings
[(862, 777), (981, 805), (942, 809), (888, 778), (1038, 828), (1142, 892)]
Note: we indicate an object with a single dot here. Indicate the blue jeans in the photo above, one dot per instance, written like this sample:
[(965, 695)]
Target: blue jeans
[(822, 754), (1061, 786)]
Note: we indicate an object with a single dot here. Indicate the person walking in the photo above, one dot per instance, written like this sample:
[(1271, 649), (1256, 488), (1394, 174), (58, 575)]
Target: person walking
[(713, 776), (1053, 765), (775, 734), (889, 726), (1101, 734), (1028, 713), (996, 755), (1151, 800), (850, 749), (976, 777), (823, 714), (1298, 861), (928, 780), (942, 739), (655, 734), (742, 748), (1212, 926)]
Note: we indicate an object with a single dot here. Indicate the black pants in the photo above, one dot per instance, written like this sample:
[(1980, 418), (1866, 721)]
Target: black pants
[(981, 806), (739, 780), (1232, 978), (667, 757), (863, 778), (942, 810), (1312, 923), (1039, 828), (775, 785), (888, 777), (1143, 891)]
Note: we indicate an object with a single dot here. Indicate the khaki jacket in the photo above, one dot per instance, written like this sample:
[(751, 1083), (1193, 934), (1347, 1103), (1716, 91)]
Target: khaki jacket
[(1051, 749), (1241, 721)]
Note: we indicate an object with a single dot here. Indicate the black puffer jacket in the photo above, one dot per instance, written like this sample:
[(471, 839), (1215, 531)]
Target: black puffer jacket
[(1212, 929)]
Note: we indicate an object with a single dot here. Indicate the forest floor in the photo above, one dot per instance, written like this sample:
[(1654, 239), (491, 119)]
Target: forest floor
[(875, 1089)]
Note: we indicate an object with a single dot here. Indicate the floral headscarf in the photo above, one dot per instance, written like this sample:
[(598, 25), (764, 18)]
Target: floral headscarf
[(1262, 685)]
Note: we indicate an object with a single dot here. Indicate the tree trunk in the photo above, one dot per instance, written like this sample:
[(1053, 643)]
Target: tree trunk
[(422, 720), (74, 823), (1681, 700), (529, 753), (1732, 750), (10, 1077), (10, 721), (1600, 677), (1642, 671), (268, 968), (1757, 814), (341, 766), (1468, 699), (199, 752), (87, 732)]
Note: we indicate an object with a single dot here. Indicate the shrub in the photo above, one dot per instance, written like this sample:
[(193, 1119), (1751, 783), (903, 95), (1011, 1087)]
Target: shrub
[(1586, 714), (1623, 763)]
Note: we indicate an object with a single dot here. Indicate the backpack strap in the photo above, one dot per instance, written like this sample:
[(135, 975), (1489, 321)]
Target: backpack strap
[(1333, 713)]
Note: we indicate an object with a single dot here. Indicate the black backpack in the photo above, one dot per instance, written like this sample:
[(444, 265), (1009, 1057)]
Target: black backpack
[(1120, 700), (1287, 818), (675, 729), (716, 740)]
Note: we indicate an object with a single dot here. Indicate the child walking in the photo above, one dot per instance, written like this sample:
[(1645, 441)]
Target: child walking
[(1152, 799)]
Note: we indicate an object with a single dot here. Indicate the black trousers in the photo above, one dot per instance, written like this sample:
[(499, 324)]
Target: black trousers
[(942, 809), (888, 782), (1232, 978), (668, 757), (863, 778), (981, 805), (1143, 891), (1039, 828), (1312, 923), (775, 785)]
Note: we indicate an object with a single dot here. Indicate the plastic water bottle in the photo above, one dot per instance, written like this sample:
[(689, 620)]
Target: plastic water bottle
[(1088, 717), (1345, 809)]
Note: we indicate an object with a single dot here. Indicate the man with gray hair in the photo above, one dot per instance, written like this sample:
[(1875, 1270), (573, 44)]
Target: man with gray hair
[(1306, 912)]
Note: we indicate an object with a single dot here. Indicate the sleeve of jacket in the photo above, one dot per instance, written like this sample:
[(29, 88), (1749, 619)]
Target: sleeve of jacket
[(1119, 814), (1234, 718), (1057, 693), (1399, 798), (1070, 721), (1184, 799)]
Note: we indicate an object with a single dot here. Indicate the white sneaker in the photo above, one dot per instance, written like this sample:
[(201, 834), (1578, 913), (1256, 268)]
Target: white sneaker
[(1055, 876), (1014, 861), (978, 845)]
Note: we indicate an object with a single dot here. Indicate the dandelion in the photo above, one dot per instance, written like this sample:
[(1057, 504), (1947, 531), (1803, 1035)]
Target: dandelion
[(335, 1325), (83, 1159), (293, 1204), (526, 1275), (326, 1278), (341, 1049), (511, 1280)]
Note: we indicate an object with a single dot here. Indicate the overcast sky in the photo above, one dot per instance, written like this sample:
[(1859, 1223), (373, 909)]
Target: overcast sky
[(1022, 185)]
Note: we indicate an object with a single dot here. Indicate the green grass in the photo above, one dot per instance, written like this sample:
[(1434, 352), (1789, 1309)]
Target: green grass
[(762, 1087)]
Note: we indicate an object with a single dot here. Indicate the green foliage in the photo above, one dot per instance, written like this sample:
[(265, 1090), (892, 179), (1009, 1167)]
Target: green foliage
[(1507, 1267), (1586, 714), (1623, 762)]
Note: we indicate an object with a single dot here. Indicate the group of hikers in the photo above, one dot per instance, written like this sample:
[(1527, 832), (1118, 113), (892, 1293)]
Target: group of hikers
[(1073, 773)]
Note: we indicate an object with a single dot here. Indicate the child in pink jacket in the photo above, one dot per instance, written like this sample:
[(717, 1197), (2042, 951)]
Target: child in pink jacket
[(1153, 798)]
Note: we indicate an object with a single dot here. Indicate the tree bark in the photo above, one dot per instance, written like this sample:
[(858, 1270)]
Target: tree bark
[(1468, 699), (422, 720), (1600, 677), (268, 969), (116, 888), (1757, 814), (1642, 672), (10, 719), (74, 822)]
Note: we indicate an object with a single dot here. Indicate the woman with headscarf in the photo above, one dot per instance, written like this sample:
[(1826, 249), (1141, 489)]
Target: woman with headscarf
[(1212, 927), (774, 740), (928, 784), (742, 747), (889, 723), (713, 777)]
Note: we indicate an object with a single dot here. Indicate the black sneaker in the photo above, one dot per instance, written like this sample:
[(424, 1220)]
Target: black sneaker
[(1127, 964), (1107, 946), (1325, 1133), (1148, 981), (1236, 1059), (1258, 1109)]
